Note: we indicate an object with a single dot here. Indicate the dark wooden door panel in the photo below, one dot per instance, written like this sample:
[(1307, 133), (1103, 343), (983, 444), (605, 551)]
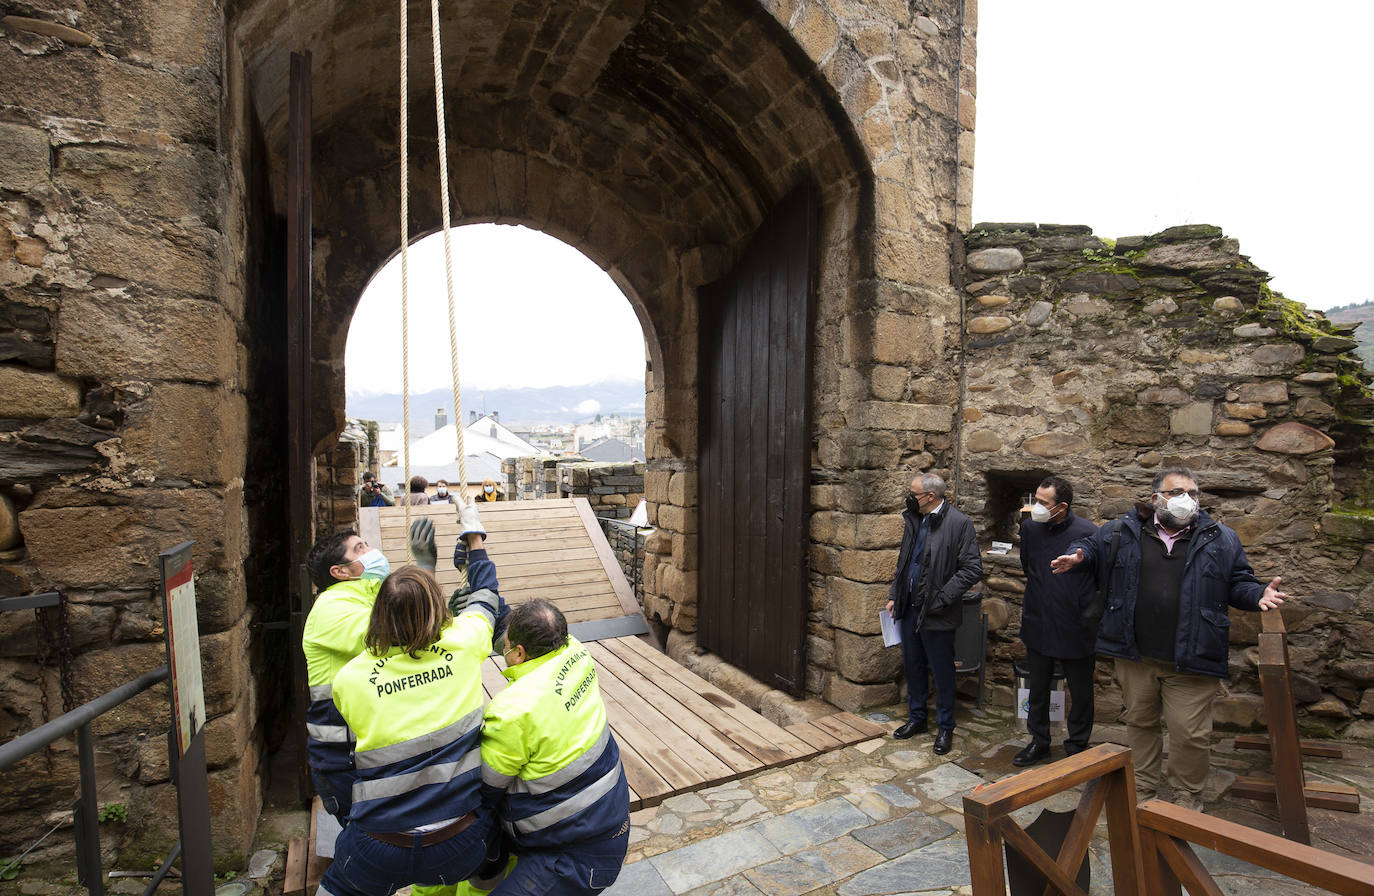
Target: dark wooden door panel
[(754, 450)]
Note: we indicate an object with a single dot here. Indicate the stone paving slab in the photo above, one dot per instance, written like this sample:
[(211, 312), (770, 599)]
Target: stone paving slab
[(943, 864), (814, 868), (939, 784), (902, 835), (802, 828), (715, 859)]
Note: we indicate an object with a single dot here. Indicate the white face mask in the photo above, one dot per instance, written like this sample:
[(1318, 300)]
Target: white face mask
[(375, 565), (1182, 508), (442, 491), (488, 488), (1040, 513)]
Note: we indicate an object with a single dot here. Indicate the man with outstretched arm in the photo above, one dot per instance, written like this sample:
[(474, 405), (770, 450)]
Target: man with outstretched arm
[(1174, 572)]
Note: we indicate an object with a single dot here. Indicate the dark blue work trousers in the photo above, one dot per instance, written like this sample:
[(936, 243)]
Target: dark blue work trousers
[(579, 870), (367, 867), (933, 653)]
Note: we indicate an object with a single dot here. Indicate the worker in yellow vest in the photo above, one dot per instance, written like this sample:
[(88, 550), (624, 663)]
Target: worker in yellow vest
[(551, 764), (346, 572), (413, 700)]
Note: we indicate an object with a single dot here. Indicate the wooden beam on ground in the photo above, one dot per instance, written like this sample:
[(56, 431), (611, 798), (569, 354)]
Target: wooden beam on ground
[(1315, 794), (1315, 748)]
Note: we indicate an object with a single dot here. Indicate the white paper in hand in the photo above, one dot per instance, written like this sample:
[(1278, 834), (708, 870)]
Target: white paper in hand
[(892, 636)]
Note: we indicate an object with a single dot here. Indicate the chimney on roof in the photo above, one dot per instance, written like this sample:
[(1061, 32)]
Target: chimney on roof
[(496, 415), (440, 418), (472, 417)]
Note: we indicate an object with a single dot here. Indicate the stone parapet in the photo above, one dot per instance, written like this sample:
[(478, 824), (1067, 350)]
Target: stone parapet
[(1112, 360)]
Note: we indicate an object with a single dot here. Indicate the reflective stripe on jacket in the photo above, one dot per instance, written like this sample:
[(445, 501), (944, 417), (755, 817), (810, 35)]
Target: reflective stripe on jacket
[(418, 723), (548, 755), (333, 635)]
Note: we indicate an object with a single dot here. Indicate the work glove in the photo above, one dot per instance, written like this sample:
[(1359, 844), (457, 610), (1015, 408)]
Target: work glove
[(458, 602), (469, 523), (422, 544)]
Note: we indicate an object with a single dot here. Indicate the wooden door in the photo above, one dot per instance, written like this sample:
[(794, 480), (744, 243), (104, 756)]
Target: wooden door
[(755, 450)]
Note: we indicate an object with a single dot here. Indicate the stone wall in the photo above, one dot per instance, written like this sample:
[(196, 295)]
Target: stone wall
[(627, 543), (530, 478), (612, 490), (1105, 361), (128, 283)]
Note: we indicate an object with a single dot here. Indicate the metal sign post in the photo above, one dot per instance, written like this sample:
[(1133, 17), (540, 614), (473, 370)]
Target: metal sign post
[(187, 741)]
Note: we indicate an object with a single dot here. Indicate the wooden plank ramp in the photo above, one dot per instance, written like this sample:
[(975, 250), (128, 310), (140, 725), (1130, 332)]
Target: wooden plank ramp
[(551, 548)]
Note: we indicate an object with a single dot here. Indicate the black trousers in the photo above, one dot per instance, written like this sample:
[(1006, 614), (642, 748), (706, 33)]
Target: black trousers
[(1078, 676)]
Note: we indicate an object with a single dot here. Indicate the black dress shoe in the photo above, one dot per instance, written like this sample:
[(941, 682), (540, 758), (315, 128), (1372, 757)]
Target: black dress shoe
[(944, 740), (1073, 749), (1032, 754), (909, 729)]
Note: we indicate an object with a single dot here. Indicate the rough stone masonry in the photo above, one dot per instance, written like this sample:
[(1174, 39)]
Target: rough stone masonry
[(143, 149)]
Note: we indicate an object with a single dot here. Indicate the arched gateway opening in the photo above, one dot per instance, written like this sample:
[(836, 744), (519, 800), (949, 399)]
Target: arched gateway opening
[(655, 139)]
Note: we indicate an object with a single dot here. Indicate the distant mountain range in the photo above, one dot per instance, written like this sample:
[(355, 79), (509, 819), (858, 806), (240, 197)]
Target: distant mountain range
[(1364, 313), (550, 404)]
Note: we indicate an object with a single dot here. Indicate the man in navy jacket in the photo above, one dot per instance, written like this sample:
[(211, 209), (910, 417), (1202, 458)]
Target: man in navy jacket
[(1058, 621), (1175, 572), (938, 562)]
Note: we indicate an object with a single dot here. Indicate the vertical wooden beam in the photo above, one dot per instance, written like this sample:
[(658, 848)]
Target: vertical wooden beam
[(1123, 831), (1281, 714), (984, 857), (300, 489)]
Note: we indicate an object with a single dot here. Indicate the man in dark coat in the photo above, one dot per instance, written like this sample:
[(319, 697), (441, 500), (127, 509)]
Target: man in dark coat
[(1058, 621), (1175, 573), (938, 562)]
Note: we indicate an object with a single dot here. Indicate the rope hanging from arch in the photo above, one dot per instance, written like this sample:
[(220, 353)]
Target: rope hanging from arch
[(448, 248)]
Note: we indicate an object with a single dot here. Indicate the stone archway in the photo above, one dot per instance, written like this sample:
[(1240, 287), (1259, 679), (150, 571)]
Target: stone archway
[(141, 189), (654, 137)]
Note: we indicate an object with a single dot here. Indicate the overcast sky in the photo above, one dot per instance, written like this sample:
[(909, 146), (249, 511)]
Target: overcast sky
[(1131, 117), (1128, 117), (532, 311)]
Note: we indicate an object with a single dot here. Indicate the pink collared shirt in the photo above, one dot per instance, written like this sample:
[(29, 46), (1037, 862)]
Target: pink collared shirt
[(1169, 538)]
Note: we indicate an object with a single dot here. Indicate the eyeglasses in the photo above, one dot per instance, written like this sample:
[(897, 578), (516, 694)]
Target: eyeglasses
[(1175, 492)]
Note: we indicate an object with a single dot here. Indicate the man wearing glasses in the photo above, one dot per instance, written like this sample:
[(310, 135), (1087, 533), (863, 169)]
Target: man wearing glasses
[(937, 563), (1173, 572)]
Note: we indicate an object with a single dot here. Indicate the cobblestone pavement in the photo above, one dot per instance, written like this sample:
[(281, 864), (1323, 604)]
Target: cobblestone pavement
[(885, 817)]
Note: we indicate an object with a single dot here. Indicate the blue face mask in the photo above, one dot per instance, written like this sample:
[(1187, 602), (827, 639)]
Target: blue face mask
[(375, 565)]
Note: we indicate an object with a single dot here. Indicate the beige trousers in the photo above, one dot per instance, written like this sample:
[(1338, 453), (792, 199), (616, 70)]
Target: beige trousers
[(1153, 691)]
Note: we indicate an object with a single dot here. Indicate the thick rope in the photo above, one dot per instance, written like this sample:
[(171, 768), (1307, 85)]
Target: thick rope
[(448, 251), (405, 271)]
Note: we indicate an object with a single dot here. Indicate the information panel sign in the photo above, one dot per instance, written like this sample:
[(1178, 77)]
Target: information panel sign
[(183, 644)]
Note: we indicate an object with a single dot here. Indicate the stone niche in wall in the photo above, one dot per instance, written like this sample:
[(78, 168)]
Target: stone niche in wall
[(1106, 361)]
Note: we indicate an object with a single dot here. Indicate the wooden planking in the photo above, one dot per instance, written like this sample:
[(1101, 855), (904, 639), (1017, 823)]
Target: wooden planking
[(731, 757), (552, 549), (769, 743), (819, 739)]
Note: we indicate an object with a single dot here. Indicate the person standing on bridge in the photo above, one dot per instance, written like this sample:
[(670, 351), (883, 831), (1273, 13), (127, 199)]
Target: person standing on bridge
[(550, 763), (413, 700)]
